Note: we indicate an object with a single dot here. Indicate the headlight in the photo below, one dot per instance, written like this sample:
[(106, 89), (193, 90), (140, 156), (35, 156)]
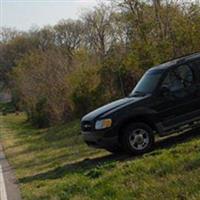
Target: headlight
[(104, 123)]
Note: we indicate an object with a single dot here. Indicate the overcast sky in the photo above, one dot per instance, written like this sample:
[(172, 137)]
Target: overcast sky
[(23, 14)]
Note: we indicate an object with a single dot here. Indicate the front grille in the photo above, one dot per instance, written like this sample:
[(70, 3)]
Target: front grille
[(86, 126)]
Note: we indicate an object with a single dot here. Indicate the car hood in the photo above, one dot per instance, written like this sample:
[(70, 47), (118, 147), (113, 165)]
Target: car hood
[(109, 107)]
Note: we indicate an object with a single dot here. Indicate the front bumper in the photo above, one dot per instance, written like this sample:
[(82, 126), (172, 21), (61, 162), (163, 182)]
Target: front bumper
[(101, 139)]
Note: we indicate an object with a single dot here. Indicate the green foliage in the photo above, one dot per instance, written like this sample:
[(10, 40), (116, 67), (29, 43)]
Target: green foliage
[(39, 117), (85, 93), (40, 79), (6, 108), (78, 65)]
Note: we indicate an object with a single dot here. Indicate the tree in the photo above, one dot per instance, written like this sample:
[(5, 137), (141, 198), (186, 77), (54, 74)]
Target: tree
[(99, 30), (68, 35), (65, 70), (7, 34), (40, 79)]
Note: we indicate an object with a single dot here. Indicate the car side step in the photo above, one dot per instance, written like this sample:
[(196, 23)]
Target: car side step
[(182, 129)]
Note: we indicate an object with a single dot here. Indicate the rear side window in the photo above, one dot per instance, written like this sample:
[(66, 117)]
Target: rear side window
[(196, 67), (197, 64), (185, 74), (179, 80)]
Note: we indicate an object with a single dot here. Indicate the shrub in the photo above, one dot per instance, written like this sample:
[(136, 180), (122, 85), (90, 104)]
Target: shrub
[(6, 108)]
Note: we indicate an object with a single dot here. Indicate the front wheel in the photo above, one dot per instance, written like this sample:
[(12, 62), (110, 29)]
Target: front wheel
[(137, 138)]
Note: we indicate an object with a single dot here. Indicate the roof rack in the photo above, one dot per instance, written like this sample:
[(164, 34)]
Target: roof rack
[(184, 57), (187, 55)]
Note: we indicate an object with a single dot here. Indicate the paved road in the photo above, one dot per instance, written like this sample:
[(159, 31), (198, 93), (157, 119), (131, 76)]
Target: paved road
[(8, 185)]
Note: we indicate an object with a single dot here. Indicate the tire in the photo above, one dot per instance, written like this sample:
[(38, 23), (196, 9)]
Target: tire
[(137, 138)]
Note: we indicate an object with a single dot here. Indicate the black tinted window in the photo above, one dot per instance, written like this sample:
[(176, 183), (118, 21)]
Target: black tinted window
[(196, 67), (179, 80)]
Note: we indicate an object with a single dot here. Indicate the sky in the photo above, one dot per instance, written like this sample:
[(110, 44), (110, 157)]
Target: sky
[(24, 14)]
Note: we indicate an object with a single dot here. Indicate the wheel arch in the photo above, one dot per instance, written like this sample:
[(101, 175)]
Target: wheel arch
[(137, 119)]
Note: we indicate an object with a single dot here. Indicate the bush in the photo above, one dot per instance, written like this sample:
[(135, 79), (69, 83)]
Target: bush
[(6, 108), (39, 116), (40, 78), (84, 86)]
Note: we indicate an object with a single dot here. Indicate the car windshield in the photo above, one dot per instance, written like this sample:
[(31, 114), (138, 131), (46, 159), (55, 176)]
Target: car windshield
[(147, 83)]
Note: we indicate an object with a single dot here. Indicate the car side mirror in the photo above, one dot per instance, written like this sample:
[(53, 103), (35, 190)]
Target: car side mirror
[(164, 91)]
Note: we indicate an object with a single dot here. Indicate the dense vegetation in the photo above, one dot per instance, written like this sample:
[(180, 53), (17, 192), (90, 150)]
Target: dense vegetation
[(60, 72), (54, 164)]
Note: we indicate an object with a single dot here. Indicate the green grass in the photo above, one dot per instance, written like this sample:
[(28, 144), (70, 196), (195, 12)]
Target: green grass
[(55, 164)]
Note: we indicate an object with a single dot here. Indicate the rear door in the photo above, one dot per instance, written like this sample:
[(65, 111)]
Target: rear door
[(181, 105), (196, 67)]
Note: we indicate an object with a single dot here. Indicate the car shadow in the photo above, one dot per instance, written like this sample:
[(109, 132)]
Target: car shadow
[(90, 163)]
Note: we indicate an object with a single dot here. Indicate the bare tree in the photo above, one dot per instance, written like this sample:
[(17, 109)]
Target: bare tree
[(69, 35), (98, 29), (45, 38), (8, 34)]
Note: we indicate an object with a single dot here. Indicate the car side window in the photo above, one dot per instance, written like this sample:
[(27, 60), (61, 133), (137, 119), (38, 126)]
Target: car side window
[(196, 67), (185, 74), (179, 80)]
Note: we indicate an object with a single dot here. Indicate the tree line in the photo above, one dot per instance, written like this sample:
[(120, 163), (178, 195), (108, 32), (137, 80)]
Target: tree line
[(57, 73)]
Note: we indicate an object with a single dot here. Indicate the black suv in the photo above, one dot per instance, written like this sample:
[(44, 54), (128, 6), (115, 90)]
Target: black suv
[(166, 100)]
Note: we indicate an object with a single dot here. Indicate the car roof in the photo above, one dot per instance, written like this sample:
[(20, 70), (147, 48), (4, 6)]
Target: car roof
[(176, 61)]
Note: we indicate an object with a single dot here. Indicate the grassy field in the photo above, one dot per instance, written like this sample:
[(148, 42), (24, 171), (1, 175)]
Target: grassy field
[(55, 164)]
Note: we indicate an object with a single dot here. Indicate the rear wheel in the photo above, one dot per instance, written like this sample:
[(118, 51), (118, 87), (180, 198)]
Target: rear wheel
[(138, 138)]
